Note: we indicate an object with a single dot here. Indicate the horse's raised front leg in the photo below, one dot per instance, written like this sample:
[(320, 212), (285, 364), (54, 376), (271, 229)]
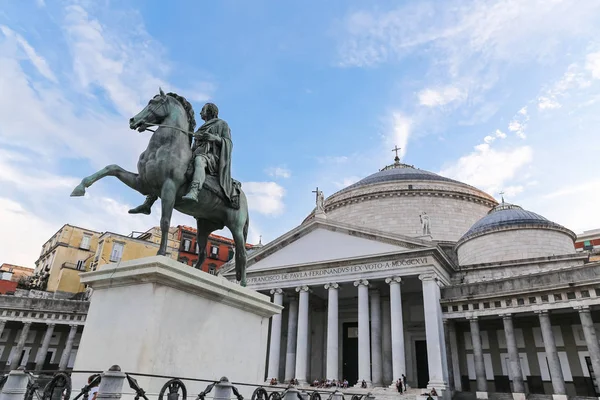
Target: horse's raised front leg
[(128, 178), (167, 199)]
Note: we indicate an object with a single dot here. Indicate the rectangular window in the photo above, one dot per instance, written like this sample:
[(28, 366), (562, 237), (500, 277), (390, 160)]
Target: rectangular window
[(587, 245), (454, 308), (117, 252), (585, 293), (187, 244), (497, 304), (545, 298), (212, 270), (214, 251), (465, 307), (532, 300), (85, 241), (557, 297), (520, 302), (80, 264), (571, 295)]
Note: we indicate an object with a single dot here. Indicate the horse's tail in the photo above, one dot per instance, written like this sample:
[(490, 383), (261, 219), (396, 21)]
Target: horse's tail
[(245, 230)]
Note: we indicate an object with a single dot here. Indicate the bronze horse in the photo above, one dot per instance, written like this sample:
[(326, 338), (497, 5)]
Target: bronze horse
[(162, 171)]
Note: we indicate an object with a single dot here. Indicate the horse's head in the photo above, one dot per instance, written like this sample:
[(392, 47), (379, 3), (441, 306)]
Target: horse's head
[(154, 113)]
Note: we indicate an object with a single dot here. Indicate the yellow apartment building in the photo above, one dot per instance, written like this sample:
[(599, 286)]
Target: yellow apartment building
[(114, 248), (65, 255)]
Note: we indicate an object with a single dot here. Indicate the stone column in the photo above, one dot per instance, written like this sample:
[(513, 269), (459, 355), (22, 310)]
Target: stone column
[(397, 332), (556, 375), (2, 325), (64, 359), (434, 332), (364, 351), (14, 361), (478, 356), (290, 352), (332, 332), (447, 325), (275, 343), (386, 342), (453, 344), (43, 350), (591, 338), (376, 361), (302, 339), (513, 356)]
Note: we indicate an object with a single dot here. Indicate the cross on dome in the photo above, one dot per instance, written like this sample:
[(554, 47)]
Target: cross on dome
[(396, 149)]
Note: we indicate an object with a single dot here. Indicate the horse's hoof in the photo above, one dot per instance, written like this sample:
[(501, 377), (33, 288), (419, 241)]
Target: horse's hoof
[(78, 191)]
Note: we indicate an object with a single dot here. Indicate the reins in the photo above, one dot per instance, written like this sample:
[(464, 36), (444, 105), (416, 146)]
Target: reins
[(168, 126)]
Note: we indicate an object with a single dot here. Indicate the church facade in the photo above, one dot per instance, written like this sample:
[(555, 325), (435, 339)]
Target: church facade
[(408, 273)]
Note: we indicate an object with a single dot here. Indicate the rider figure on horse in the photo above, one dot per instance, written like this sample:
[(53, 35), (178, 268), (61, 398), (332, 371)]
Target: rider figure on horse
[(212, 155)]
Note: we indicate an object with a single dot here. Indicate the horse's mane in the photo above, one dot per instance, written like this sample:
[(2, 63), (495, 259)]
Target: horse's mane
[(188, 109)]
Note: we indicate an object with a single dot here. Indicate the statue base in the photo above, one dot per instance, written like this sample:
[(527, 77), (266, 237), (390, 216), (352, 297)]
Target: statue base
[(160, 317)]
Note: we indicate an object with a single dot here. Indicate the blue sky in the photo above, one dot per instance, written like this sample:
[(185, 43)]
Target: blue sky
[(499, 94)]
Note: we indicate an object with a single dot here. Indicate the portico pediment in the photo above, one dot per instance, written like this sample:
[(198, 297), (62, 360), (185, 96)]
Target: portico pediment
[(326, 241)]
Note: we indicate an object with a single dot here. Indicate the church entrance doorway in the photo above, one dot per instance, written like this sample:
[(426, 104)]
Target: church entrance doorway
[(422, 364), (350, 352)]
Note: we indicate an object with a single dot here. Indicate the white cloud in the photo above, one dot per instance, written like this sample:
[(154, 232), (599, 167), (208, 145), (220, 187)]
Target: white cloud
[(592, 64), (74, 119), (500, 134), (278, 172), (400, 131), (347, 181), (38, 62), (333, 159), (29, 229), (264, 197), (489, 139), (523, 111), (441, 96), (504, 30), (546, 103), (489, 169)]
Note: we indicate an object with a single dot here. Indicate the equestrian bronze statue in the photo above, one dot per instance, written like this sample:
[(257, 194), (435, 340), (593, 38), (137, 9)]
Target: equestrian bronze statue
[(195, 180)]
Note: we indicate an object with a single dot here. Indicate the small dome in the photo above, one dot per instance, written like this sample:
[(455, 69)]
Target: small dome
[(508, 233), (507, 216)]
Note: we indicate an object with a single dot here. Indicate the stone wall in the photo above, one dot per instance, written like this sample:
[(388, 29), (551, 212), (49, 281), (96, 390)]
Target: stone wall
[(450, 217), (517, 244)]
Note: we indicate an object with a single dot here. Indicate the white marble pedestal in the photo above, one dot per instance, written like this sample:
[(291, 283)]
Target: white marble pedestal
[(158, 316)]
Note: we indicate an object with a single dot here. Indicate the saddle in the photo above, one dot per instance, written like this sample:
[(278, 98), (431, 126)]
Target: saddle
[(211, 183)]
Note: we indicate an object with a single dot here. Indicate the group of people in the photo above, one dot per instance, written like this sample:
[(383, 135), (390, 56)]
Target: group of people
[(401, 384), (431, 394), (330, 383)]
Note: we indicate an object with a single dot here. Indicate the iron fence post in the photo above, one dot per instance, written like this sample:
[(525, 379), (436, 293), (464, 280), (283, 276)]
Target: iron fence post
[(16, 385), (111, 385), (292, 394), (223, 390)]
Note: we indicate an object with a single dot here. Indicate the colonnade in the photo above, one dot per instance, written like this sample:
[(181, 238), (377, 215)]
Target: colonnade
[(515, 368), (43, 349), (373, 329)]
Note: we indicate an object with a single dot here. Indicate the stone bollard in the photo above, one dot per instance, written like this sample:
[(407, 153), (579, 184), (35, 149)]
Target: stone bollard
[(223, 389), (111, 385), (16, 385), (291, 394), (304, 395)]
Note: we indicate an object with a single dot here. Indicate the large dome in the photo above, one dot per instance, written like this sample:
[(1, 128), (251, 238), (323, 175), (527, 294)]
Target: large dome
[(410, 201), (399, 172), (510, 233)]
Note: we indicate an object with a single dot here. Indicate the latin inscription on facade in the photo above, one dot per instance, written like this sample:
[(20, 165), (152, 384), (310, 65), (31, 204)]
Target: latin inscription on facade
[(378, 266)]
